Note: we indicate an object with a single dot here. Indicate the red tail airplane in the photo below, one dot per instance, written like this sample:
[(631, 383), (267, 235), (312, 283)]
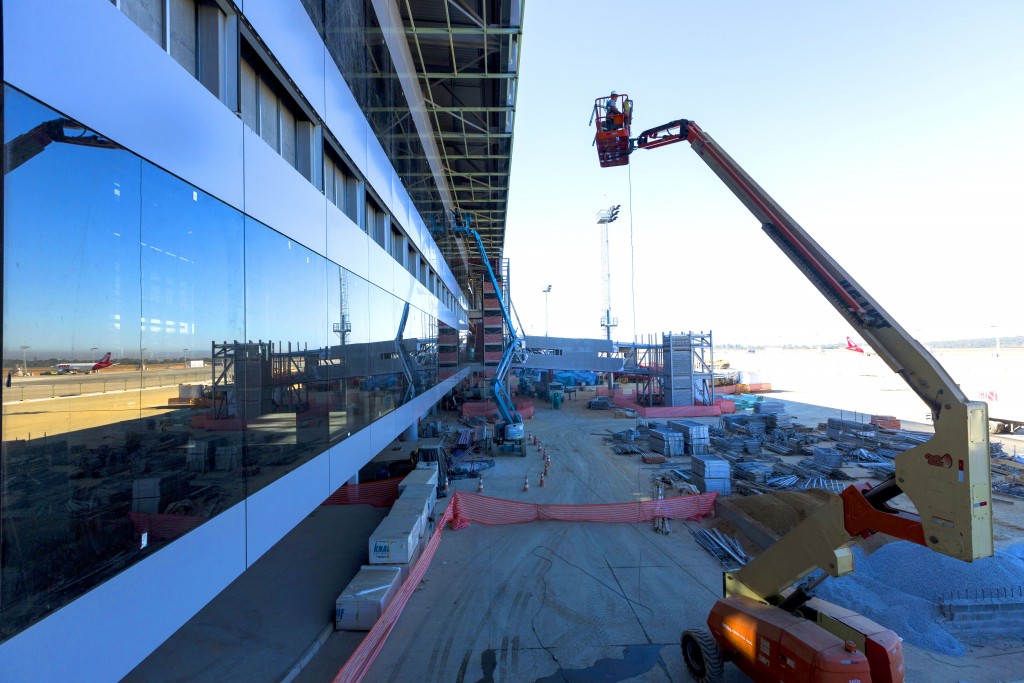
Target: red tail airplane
[(86, 368), (850, 346)]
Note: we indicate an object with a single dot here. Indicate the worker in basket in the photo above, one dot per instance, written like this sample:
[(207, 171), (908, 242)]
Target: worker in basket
[(612, 112)]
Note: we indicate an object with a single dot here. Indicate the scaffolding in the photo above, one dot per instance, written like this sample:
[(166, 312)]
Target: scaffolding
[(251, 379), (678, 371)]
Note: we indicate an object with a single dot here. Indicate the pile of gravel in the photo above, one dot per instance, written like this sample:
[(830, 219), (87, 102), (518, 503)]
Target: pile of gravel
[(898, 585)]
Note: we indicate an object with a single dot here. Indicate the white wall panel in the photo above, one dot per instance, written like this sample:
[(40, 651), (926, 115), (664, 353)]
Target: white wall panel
[(344, 118), (287, 30), (347, 457), (275, 510), (378, 170), (347, 245), (381, 267), (147, 102), (277, 195)]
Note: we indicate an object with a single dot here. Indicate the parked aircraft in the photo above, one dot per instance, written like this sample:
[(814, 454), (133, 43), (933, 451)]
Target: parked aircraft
[(850, 346), (82, 368)]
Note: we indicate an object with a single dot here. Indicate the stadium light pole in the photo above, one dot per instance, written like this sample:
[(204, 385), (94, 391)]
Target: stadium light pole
[(546, 290), (604, 218)]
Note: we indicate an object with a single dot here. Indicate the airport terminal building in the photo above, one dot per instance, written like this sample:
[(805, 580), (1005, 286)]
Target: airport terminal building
[(243, 202)]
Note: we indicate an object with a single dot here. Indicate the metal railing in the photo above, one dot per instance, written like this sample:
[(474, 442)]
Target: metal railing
[(69, 388)]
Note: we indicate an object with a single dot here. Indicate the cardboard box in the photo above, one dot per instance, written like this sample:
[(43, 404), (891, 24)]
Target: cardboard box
[(366, 597)]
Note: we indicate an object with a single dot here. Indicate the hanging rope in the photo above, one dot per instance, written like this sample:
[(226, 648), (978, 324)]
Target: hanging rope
[(632, 263)]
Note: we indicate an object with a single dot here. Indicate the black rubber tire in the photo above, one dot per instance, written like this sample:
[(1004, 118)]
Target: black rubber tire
[(702, 655)]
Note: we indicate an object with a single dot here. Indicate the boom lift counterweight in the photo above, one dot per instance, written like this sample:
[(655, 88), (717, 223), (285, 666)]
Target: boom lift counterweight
[(770, 630)]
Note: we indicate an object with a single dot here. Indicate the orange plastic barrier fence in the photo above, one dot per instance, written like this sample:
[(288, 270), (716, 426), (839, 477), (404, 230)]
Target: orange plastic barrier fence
[(358, 665), (381, 493), (488, 408), (466, 508), (472, 507), (164, 527)]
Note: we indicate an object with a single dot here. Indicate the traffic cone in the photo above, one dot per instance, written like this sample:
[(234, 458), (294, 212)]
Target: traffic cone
[(480, 486), (445, 485), (542, 477), (526, 484)]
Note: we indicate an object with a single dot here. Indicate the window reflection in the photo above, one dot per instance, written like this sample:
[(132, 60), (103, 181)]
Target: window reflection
[(238, 354), (71, 272)]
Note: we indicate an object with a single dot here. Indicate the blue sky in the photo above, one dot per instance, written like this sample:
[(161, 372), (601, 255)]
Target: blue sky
[(890, 131)]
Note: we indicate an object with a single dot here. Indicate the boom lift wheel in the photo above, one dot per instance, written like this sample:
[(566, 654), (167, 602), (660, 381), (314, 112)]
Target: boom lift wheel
[(702, 656)]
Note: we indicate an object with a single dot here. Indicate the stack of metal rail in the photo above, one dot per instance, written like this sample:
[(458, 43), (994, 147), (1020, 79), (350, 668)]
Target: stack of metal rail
[(725, 548), (828, 457), (770, 407), (666, 441), (757, 472), (697, 438), (711, 473)]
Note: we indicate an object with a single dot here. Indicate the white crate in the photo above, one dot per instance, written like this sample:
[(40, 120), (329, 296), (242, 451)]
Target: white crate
[(366, 597), (419, 508), (394, 540), (419, 478), (419, 492), (428, 466)]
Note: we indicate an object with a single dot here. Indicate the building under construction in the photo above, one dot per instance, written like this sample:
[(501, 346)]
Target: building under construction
[(286, 223)]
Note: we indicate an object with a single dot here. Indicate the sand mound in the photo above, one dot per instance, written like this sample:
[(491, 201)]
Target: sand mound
[(782, 510)]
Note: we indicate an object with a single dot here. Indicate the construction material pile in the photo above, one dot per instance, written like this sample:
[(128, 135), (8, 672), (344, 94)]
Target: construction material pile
[(666, 441), (899, 585), (696, 436), (711, 473)]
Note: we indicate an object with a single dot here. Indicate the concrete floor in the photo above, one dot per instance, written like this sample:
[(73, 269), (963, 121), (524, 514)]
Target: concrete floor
[(546, 601)]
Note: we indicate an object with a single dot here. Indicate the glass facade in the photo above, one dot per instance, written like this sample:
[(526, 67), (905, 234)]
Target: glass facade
[(238, 354)]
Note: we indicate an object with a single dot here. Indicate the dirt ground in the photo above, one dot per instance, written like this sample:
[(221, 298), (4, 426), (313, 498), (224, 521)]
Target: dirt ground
[(560, 601)]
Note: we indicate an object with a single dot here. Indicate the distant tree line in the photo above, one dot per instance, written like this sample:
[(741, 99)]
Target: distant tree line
[(976, 343)]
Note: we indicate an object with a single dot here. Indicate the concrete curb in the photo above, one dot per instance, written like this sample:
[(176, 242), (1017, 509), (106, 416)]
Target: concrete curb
[(308, 655)]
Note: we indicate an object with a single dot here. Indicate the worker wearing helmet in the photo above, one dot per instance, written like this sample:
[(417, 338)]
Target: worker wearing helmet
[(612, 114)]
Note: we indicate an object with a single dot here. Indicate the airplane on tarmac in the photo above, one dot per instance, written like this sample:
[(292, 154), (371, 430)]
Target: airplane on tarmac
[(83, 368), (850, 346)]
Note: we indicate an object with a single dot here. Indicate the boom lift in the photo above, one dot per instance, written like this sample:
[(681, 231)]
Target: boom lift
[(513, 432), (769, 629)]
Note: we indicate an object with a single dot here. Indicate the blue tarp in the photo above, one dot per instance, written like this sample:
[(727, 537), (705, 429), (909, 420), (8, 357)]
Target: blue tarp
[(576, 378)]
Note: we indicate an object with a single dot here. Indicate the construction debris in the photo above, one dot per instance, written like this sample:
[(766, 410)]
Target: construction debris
[(726, 549)]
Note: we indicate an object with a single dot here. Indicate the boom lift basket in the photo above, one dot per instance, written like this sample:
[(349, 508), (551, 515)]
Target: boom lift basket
[(613, 115)]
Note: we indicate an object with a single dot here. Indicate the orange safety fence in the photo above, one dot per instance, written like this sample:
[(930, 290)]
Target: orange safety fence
[(472, 507), (488, 408), (163, 526), (466, 508), (381, 493)]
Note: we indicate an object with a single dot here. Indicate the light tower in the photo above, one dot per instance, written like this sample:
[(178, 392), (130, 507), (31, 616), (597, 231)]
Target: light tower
[(546, 290), (604, 217)]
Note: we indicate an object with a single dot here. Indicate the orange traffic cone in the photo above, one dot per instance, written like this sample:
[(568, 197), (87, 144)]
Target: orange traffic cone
[(542, 478), (446, 485), (480, 486), (526, 484)]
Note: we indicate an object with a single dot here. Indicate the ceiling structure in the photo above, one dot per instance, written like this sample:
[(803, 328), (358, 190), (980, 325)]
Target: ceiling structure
[(466, 54)]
